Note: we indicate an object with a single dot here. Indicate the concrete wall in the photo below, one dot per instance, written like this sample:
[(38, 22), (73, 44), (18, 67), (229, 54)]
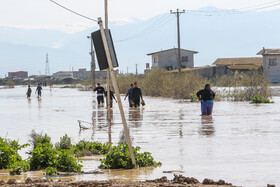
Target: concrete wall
[(169, 60), (273, 72)]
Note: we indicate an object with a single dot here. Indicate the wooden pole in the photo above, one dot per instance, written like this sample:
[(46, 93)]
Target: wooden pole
[(108, 80), (114, 80)]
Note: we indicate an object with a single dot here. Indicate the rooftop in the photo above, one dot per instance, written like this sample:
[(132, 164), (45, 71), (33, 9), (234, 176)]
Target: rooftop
[(257, 61), (194, 52), (269, 52)]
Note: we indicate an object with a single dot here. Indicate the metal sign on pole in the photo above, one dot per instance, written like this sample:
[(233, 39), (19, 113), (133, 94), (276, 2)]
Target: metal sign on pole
[(114, 81)]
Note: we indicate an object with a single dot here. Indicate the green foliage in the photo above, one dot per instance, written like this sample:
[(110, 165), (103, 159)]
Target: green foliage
[(19, 168), (67, 162), (9, 157), (65, 143), (43, 156), (119, 157), (193, 97), (86, 148), (51, 171), (259, 99)]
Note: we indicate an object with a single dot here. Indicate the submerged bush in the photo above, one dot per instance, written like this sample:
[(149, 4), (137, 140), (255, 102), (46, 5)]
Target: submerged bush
[(259, 99), (119, 157), (67, 162), (243, 87), (44, 155), (86, 148), (20, 167)]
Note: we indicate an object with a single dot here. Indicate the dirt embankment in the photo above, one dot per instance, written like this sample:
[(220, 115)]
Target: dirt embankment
[(178, 180)]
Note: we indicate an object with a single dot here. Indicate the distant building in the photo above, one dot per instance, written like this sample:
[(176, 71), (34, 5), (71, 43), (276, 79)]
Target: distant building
[(63, 75), (18, 74), (168, 59), (271, 63), (80, 74), (240, 64)]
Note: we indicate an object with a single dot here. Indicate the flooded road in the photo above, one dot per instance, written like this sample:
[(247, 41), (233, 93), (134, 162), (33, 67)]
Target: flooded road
[(239, 144)]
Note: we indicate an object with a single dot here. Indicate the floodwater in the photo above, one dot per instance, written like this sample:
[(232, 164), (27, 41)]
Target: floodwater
[(239, 144)]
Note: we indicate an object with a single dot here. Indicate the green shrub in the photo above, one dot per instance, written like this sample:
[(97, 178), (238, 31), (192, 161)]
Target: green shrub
[(20, 167), (9, 156), (43, 156), (65, 143), (259, 99), (119, 157), (67, 162), (86, 148), (51, 171)]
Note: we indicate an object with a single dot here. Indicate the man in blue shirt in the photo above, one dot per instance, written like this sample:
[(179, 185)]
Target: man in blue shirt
[(206, 96), (129, 94)]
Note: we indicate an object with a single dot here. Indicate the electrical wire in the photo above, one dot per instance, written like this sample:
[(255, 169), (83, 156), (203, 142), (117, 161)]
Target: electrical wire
[(158, 23), (73, 11)]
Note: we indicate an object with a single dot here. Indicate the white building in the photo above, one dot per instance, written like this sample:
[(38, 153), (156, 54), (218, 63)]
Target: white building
[(168, 59), (271, 63)]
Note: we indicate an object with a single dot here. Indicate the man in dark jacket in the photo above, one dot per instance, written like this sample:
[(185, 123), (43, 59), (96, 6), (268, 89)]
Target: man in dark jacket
[(39, 90), (129, 94), (100, 93), (28, 92), (112, 96), (136, 95), (206, 96)]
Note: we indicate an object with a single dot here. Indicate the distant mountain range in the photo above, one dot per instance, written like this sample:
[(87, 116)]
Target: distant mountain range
[(220, 35)]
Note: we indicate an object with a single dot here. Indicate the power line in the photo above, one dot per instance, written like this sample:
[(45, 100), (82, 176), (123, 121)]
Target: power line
[(150, 28), (73, 11)]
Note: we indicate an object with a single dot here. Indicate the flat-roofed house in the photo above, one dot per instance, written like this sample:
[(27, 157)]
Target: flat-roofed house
[(271, 63), (168, 59), (243, 64), (18, 74)]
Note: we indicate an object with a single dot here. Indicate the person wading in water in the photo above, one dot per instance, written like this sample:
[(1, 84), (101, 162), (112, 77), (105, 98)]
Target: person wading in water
[(112, 96), (39, 90), (206, 96), (136, 95), (100, 94), (129, 94), (28, 92)]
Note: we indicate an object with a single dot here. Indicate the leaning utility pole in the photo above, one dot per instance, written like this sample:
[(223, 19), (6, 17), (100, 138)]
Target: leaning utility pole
[(108, 80), (115, 84), (178, 13), (92, 60)]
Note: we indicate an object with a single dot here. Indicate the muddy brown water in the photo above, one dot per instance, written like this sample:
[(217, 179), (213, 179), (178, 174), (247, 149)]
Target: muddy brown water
[(239, 144)]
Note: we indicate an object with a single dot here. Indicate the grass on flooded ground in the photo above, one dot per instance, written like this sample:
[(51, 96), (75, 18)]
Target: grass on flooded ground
[(160, 83), (64, 156)]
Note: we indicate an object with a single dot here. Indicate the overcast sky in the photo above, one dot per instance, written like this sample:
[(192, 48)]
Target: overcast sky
[(31, 14)]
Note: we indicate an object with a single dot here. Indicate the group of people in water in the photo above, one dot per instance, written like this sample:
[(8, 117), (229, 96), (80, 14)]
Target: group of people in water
[(135, 98), (206, 97), (134, 95), (38, 91)]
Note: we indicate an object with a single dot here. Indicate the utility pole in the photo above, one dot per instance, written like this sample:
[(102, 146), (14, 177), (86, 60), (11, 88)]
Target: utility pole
[(127, 70), (178, 13), (92, 64), (136, 69), (115, 84), (47, 68)]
